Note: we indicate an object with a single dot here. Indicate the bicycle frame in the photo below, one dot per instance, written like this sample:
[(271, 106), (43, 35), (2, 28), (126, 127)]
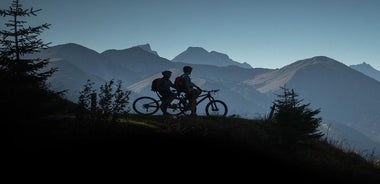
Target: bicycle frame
[(205, 96), (200, 98)]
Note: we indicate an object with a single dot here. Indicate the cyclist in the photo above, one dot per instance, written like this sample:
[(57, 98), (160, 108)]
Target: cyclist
[(164, 90), (192, 91)]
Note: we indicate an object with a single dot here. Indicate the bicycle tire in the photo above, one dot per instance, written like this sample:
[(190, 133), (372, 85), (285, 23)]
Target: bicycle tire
[(185, 107), (145, 105), (216, 108), (175, 108)]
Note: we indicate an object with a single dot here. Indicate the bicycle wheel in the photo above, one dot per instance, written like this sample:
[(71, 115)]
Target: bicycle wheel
[(178, 107), (145, 105), (175, 108), (185, 107), (216, 108)]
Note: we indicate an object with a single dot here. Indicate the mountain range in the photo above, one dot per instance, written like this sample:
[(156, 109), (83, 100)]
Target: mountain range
[(348, 96)]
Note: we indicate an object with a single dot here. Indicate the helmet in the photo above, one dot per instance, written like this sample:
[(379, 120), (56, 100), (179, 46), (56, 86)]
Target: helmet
[(166, 73), (187, 69)]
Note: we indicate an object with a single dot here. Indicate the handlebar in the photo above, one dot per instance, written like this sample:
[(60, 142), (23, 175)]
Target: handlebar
[(203, 91), (210, 91)]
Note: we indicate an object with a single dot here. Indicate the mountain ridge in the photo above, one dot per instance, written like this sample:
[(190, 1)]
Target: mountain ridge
[(199, 55), (272, 81), (322, 81)]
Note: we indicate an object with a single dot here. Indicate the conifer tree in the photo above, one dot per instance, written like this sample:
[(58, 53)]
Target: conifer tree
[(23, 80), (294, 121)]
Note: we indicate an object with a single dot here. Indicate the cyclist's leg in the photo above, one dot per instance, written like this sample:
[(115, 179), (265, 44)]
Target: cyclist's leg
[(197, 93), (164, 104), (166, 101), (171, 98), (193, 101)]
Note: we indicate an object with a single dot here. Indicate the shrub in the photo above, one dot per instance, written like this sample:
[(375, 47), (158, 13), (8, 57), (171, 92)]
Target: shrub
[(111, 104)]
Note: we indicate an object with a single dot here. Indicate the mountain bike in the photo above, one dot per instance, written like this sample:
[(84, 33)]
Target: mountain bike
[(147, 105)]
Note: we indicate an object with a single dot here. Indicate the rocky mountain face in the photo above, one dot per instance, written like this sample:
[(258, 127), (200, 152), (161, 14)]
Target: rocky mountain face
[(347, 98)]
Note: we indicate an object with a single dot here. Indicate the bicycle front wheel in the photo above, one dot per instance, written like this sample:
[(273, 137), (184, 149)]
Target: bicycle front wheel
[(216, 108), (145, 105)]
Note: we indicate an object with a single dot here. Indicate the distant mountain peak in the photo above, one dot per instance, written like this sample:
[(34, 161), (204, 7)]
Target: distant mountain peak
[(363, 64), (198, 50), (71, 45), (147, 47), (225, 56), (321, 60), (316, 60), (199, 55), (192, 47), (324, 58), (272, 81), (72, 48), (368, 70)]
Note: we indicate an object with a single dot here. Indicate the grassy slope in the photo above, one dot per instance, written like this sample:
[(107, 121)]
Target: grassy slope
[(221, 145)]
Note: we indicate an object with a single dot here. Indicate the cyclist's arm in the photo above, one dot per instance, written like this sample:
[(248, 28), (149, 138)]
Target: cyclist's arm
[(197, 86), (172, 85)]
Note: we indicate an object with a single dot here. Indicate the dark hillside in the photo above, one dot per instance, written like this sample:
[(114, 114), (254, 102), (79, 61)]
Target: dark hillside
[(227, 146)]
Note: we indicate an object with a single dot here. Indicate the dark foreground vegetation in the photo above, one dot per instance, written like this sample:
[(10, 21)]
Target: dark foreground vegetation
[(217, 147)]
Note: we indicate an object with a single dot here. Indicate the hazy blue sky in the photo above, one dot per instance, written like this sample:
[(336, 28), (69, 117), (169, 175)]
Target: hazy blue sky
[(265, 33)]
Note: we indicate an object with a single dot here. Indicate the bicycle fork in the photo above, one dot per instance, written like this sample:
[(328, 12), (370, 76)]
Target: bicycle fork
[(214, 107)]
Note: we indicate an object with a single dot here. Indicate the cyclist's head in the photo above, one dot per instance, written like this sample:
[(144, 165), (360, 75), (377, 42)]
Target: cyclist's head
[(167, 73), (187, 69)]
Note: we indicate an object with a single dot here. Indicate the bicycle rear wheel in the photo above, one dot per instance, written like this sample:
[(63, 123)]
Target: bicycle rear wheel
[(145, 105), (216, 108)]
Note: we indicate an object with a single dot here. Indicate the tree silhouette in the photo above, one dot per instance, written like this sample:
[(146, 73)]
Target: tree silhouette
[(23, 79), (84, 100), (105, 99), (121, 99), (293, 121)]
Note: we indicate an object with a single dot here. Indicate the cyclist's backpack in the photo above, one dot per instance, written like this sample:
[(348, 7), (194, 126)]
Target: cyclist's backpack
[(178, 83), (155, 84)]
